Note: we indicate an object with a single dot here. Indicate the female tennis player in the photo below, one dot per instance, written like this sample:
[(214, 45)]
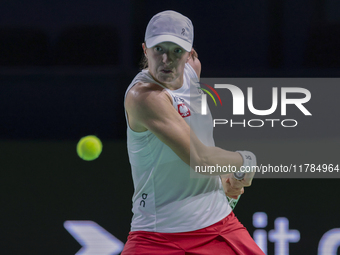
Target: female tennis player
[(174, 211)]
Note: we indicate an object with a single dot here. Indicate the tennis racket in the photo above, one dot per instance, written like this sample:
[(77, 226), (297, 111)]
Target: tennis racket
[(232, 201)]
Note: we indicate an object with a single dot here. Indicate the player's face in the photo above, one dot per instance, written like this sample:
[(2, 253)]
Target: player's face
[(166, 62)]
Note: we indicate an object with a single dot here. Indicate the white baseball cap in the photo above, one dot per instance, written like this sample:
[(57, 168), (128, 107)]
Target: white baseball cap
[(170, 26)]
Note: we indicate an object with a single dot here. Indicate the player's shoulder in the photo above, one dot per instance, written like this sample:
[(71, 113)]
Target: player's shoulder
[(144, 90), (142, 94), (145, 87)]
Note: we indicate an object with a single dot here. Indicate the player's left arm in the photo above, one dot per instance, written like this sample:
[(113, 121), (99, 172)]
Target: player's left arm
[(232, 187)]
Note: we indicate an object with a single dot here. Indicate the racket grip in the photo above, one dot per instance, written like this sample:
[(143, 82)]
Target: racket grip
[(232, 201)]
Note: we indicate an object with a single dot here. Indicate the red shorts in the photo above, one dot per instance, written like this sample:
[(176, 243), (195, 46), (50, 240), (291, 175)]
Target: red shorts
[(227, 236)]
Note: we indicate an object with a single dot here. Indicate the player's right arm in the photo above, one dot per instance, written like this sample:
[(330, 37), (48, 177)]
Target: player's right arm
[(149, 107)]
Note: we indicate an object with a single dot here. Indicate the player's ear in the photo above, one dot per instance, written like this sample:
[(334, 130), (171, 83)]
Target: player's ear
[(189, 57), (193, 54)]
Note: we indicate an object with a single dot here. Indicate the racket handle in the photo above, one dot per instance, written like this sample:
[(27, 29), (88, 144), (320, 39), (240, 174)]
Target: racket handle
[(232, 201)]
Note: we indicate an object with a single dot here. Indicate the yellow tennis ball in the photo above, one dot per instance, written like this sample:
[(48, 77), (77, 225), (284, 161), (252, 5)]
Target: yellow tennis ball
[(89, 147)]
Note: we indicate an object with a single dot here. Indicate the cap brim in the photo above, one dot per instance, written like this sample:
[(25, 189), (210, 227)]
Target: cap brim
[(168, 38)]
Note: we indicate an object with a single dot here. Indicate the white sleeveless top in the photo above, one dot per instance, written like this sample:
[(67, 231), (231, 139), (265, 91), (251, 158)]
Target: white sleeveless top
[(167, 198)]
